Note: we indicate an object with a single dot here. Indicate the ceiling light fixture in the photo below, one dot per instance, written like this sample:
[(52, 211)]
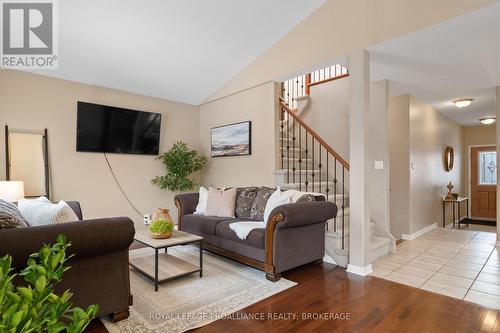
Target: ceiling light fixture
[(488, 120), (462, 103)]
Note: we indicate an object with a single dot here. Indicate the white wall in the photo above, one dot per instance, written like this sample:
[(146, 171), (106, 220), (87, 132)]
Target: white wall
[(29, 101)]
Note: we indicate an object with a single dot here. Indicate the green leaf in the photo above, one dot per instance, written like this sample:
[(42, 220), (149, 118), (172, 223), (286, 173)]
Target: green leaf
[(180, 162), (40, 283), (25, 293), (16, 319)]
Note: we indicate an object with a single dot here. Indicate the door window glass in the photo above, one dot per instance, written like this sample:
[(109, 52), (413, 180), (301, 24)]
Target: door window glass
[(488, 168)]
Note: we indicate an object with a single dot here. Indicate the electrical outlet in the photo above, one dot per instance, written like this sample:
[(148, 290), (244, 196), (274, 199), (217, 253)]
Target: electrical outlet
[(147, 219), (378, 165)]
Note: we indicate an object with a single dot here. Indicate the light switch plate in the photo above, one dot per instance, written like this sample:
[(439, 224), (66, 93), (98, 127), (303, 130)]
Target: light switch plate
[(379, 165)]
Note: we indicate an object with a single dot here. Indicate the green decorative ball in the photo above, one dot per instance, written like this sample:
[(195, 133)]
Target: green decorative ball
[(161, 226)]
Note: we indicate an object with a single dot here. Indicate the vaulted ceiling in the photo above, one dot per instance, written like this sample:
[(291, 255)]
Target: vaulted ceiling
[(176, 50)]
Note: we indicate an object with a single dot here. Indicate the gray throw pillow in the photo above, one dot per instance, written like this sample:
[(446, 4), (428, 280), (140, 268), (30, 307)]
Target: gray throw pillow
[(307, 198), (259, 204), (10, 217), (245, 196)]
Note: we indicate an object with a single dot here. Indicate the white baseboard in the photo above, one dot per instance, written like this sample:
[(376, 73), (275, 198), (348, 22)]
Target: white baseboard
[(359, 270), (419, 232)]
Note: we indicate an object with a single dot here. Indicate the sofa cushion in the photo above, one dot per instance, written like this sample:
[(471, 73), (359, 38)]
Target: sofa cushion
[(255, 238), (201, 224), (10, 217), (221, 202), (259, 204), (245, 196)]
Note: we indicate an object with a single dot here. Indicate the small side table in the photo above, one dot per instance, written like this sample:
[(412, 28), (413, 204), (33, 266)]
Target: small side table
[(455, 203), (172, 267)]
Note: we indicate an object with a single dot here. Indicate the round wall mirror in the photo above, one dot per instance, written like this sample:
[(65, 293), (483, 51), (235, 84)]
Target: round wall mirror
[(449, 157)]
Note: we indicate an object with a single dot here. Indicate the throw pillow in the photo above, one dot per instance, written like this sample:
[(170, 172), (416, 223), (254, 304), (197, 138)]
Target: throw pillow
[(10, 217), (259, 204), (306, 198), (202, 201), (245, 196), (41, 211), (276, 199), (221, 202)]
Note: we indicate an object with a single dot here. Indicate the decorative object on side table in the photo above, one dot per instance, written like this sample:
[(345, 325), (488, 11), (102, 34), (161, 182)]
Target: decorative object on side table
[(450, 187), (161, 214), (161, 229), (180, 162), (232, 140)]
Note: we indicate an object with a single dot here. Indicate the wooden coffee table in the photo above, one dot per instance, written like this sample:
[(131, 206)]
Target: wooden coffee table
[(163, 267)]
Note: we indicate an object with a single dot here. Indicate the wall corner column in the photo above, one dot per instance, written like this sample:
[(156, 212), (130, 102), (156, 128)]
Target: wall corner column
[(359, 108), (497, 106)]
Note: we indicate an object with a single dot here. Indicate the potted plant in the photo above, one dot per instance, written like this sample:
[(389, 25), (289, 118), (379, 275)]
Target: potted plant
[(35, 307), (180, 162), (161, 229)]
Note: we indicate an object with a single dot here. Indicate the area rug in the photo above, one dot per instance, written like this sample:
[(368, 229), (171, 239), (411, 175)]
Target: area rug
[(191, 302)]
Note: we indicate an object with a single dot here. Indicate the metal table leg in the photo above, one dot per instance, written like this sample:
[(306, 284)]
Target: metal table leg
[(201, 259), (156, 269), (467, 202), (444, 215), (459, 215), (453, 208)]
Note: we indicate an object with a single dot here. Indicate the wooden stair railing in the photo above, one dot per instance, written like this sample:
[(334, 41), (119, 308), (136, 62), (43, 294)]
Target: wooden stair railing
[(329, 164), (301, 85)]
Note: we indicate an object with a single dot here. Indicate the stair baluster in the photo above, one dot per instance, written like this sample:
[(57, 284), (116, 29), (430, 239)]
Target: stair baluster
[(290, 124)]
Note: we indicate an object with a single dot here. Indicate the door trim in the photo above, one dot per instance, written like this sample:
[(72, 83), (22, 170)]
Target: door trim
[(469, 164)]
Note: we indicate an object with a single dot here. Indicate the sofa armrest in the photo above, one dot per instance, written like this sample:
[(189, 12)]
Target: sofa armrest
[(186, 204), (88, 238), (303, 213)]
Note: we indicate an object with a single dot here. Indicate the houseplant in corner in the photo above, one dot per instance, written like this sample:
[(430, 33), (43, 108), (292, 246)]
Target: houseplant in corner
[(35, 307), (180, 162)]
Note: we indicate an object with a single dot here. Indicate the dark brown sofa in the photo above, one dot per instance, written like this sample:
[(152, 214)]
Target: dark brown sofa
[(99, 272), (294, 236)]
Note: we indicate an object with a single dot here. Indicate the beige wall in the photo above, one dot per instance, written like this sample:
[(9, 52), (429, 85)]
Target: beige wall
[(399, 147), (259, 106), (31, 101), (476, 136), (419, 135), (340, 26), (328, 114), (430, 134)]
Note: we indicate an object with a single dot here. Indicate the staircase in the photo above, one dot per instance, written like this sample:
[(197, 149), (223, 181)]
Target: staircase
[(308, 163)]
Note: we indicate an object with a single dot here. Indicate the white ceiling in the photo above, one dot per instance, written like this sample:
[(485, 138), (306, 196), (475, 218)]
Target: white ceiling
[(171, 49), (458, 58)]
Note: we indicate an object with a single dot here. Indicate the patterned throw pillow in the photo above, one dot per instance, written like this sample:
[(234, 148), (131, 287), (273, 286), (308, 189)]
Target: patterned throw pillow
[(245, 196), (306, 198), (10, 217), (259, 204)]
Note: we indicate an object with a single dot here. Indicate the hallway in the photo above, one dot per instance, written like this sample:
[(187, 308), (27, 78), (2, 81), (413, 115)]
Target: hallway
[(463, 264)]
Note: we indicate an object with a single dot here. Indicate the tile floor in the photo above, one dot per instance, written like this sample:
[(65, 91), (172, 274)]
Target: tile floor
[(463, 264)]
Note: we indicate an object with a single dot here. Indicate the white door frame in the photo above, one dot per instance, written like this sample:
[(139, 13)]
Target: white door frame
[(469, 164)]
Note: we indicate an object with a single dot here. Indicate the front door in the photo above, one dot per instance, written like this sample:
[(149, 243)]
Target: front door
[(483, 173)]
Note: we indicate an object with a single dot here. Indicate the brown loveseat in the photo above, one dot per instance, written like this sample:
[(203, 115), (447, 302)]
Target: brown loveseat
[(294, 235), (99, 272)]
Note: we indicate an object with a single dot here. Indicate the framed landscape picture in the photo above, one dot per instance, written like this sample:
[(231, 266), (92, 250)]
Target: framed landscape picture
[(232, 140)]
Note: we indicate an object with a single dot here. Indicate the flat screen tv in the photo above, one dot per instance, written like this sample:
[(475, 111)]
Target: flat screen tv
[(108, 129)]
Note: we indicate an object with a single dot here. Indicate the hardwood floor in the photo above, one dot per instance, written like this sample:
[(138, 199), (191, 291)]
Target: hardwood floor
[(373, 304)]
